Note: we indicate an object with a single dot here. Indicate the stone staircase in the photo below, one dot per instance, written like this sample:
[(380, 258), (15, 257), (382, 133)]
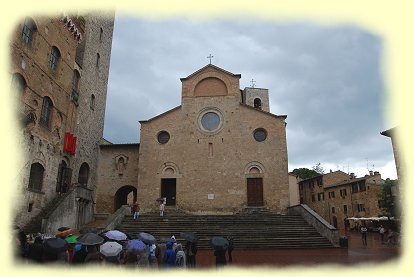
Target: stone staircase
[(35, 224), (251, 229)]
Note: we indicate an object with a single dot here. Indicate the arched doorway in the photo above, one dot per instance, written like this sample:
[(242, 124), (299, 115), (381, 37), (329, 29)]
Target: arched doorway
[(121, 196)]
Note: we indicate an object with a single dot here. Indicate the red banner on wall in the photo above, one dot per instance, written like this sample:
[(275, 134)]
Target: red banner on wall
[(69, 144)]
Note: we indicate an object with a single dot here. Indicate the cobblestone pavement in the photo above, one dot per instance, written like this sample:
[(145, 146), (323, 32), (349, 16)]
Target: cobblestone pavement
[(356, 253)]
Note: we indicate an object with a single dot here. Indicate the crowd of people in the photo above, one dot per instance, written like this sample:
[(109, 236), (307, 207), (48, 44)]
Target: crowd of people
[(73, 248)]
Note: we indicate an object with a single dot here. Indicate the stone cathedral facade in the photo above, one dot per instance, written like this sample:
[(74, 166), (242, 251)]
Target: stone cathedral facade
[(220, 151)]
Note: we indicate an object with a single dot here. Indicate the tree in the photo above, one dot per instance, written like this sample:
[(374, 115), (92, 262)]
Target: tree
[(318, 168), (305, 173), (387, 199)]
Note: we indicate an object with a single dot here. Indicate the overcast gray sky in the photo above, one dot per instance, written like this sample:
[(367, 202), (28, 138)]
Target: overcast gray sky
[(325, 78)]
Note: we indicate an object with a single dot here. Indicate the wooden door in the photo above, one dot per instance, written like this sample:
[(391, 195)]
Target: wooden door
[(168, 190), (254, 191)]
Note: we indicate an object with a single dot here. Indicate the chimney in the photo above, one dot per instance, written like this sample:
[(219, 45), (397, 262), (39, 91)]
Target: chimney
[(371, 172), (376, 173), (330, 170), (352, 175)]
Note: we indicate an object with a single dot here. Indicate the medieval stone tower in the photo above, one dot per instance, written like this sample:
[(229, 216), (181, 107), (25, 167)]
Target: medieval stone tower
[(59, 72)]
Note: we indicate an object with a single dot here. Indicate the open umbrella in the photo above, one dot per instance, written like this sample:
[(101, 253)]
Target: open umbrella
[(167, 239), (110, 249), (219, 243), (147, 238), (61, 229), (90, 239), (115, 235), (71, 239), (135, 245), (188, 236), (65, 233), (55, 245)]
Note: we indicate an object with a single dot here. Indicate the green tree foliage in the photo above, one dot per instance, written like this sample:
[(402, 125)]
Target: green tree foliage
[(388, 198), (305, 173)]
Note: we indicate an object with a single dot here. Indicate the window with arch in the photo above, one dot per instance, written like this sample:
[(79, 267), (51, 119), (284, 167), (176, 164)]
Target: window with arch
[(98, 60), (46, 112), (92, 104), (54, 58), (257, 103), (83, 176), (36, 176), (29, 27), (100, 34), (18, 84)]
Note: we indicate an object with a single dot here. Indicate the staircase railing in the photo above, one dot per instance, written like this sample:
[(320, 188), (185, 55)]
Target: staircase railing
[(314, 219), (116, 218)]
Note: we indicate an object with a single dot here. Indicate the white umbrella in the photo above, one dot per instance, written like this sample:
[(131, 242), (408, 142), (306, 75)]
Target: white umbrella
[(115, 235), (110, 249)]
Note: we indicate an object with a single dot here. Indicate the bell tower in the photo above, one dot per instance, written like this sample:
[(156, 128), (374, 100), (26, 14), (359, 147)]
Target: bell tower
[(256, 97)]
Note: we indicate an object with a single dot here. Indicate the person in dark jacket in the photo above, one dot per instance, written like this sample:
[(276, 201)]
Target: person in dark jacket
[(190, 254), (169, 256), (220, 257), (230, 249), (36, 250)]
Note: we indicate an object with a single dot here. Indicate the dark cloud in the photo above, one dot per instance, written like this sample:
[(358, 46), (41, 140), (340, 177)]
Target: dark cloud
[(327, 79)]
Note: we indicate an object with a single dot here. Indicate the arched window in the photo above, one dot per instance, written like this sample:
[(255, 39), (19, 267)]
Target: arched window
[(83, 174), (46, 112), (258, 103), (18, 83), (98, 58), (100, 34), (54, 58), (92, 105), (29, 27), (36, 176)]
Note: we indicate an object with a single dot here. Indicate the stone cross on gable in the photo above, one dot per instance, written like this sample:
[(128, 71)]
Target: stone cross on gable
[(209, 57), (253, 82)]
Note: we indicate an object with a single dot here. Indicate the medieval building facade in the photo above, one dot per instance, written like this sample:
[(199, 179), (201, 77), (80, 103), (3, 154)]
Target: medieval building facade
[(336, 196), (59, 74), (219, 151)]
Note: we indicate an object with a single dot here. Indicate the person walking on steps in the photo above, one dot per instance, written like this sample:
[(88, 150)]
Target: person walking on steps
[(135, 210), (162, 206)]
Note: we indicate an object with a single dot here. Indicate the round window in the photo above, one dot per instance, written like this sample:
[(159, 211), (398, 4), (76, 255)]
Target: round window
[(163, 137), (210, 121), (260, 135)]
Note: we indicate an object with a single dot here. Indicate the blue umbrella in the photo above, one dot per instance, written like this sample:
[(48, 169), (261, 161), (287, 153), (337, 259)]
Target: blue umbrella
[(147, 238), (136, 245), (115, 235)]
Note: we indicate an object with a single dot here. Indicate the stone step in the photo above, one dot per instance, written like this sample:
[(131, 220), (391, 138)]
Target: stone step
[(251, 229)]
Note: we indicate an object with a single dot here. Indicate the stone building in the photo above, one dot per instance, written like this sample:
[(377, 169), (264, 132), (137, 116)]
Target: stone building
[(336, 196), (59, 71), (221, 150)]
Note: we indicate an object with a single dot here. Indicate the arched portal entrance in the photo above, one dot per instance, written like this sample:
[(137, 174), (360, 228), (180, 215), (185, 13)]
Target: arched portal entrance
[(121, 196)]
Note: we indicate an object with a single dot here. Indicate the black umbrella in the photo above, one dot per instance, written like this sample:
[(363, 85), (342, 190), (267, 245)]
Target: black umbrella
[(90, 239), (188, 236), (63, 229), (219, 243), (166, 239), (147, 238), (55, 245)]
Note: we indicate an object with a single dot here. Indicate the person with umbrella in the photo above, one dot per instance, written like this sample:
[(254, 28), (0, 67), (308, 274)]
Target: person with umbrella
[(55, 250), (111, 250), (220, 246), (190, 248)]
